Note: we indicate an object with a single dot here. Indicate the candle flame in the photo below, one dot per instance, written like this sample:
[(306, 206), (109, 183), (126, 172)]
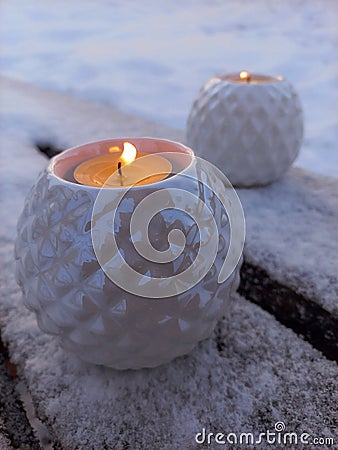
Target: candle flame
[(129, 153), (244, 75)]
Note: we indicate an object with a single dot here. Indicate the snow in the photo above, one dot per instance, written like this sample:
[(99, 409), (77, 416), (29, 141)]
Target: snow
[(265, 374), (291, 232), (150, 58), (252, 373)]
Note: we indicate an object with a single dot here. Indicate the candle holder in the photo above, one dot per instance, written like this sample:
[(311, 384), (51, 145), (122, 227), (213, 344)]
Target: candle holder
[(86, 271), (250, 126)]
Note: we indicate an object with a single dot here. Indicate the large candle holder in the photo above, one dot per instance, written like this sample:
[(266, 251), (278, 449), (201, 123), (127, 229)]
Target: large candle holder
[(75, 282), (250, 126)]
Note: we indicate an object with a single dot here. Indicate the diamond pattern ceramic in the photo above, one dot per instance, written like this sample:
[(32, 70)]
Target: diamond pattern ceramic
[(74, 299), (251, 131)]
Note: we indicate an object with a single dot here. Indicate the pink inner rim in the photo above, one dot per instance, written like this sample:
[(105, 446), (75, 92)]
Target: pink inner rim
[(254, 77), (70, 158)]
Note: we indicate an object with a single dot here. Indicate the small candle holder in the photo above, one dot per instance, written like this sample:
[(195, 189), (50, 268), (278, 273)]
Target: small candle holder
[(84, 267), (248, 125)]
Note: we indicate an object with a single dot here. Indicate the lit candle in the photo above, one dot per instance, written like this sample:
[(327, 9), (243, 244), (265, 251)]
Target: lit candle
[(245, 77), (123, 263), (119, 168)]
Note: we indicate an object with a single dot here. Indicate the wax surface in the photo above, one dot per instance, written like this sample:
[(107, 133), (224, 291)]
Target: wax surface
[(102, 171)]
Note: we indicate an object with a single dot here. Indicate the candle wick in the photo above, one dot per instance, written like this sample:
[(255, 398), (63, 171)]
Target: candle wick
[(119, 169)]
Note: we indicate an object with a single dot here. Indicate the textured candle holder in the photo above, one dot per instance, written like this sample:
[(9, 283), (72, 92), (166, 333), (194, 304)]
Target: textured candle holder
[(251, 130), (64, 284)]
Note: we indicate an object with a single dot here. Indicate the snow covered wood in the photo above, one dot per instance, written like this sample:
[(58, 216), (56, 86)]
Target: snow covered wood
[(252, 373)]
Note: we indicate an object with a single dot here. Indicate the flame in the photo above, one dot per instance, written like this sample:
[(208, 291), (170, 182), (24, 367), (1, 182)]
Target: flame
[(244, 75), (129, 153)]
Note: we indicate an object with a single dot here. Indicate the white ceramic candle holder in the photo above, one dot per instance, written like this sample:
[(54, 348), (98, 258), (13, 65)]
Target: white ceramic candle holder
[(61, 272), (250, 127)]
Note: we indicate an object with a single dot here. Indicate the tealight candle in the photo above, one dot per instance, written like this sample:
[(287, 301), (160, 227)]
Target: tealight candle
[(249, 125), (247, 77), (122, 168)]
